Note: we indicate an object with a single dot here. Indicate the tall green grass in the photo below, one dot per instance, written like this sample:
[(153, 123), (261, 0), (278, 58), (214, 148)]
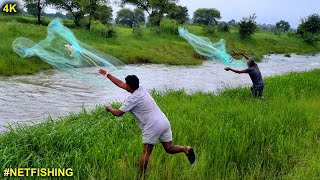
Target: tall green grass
[(234, 136)]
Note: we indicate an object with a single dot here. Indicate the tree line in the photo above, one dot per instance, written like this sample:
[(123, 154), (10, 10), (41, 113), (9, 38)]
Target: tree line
[(83, 12)]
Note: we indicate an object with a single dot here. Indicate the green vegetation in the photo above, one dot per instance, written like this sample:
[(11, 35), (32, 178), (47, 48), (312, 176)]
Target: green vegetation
[(206, 16), (309, 29), (247, 26), (234, 136), (142, 46)]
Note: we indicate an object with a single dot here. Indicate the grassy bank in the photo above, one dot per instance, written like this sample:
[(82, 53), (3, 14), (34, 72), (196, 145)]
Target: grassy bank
[(234, 136), (149, 48)]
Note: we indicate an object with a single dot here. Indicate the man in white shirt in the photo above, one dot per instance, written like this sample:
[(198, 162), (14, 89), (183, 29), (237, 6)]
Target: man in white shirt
[(152, 121)]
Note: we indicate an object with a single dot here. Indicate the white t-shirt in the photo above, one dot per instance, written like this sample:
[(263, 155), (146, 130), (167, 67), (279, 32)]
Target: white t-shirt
[(147, 113)]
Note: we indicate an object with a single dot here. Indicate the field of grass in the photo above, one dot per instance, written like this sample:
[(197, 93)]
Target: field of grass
[(234, 136), (148, 48)]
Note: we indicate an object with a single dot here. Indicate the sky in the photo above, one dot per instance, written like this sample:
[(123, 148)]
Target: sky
[(267, 11)]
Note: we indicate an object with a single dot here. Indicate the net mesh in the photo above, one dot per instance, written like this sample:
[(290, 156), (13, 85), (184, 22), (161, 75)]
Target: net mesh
[(64, 52), (211, 51)]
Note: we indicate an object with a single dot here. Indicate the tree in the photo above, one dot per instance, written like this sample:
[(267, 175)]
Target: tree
[(247, 26), (139, 17), (125, 17), (207, 17), (32, 9), (309, 29), (92, 7), (232, 22), (103, 14), (75, 7), (155, 8), (283, 25), (310, 24), (130, 18), (35, 7), (180, 14)]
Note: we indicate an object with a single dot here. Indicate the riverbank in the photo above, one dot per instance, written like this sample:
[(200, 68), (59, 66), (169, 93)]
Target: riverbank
[(234, 136), (148, 48)]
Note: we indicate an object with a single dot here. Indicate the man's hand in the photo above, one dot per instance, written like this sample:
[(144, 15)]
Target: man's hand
[(102, 71), (115, 112), (227, 68)]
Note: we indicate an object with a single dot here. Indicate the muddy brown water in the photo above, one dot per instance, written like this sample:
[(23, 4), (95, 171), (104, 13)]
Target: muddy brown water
[(31, 99)]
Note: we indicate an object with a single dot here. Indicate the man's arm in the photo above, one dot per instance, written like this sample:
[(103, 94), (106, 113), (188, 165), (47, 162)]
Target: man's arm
[(115, 80), (244, 55), (115, 112), (233, 70)]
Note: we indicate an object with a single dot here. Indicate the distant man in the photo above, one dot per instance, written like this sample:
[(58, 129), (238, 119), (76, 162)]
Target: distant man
[(152, 121), (255, 75)]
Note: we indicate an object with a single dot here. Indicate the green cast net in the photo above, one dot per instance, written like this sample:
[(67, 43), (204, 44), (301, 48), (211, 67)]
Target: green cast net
[(211, 51), (64, 52)]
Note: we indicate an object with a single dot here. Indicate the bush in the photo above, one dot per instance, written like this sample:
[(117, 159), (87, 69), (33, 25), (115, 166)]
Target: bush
[(310, 38), (247, 26), (110, 32), (106, 31), (277, 31), (309, 29), (98, 27), (287, 55), (209, 29), (169, 26), (291, 34), (223, 27), (137, 32)]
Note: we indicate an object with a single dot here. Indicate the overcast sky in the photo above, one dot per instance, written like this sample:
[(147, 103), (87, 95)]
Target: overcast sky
[(267, 11)]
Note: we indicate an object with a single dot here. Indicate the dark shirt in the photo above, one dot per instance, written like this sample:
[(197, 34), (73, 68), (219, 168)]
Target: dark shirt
[(255, 74)]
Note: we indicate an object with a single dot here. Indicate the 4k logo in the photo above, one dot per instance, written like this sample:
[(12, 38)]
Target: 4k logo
[(9, 8)]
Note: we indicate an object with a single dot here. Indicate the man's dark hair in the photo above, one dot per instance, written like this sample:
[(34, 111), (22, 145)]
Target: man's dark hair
[(133, 82), (251, 62)]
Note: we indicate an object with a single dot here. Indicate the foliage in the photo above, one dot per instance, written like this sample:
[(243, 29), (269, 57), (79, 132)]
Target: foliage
[(32, 9), (169, 26), (205, 16), (232, 22), (309, 29), (98, 27), (127, 17), (74, 7), (137, 31), (283, 25), (97, 10), (180, 14), (310, 24), (162, 49), (111, 32), (35, 8), (139, 17), (209, 30), (103, 14), (223, 27), (247, 26), (155, 8)]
